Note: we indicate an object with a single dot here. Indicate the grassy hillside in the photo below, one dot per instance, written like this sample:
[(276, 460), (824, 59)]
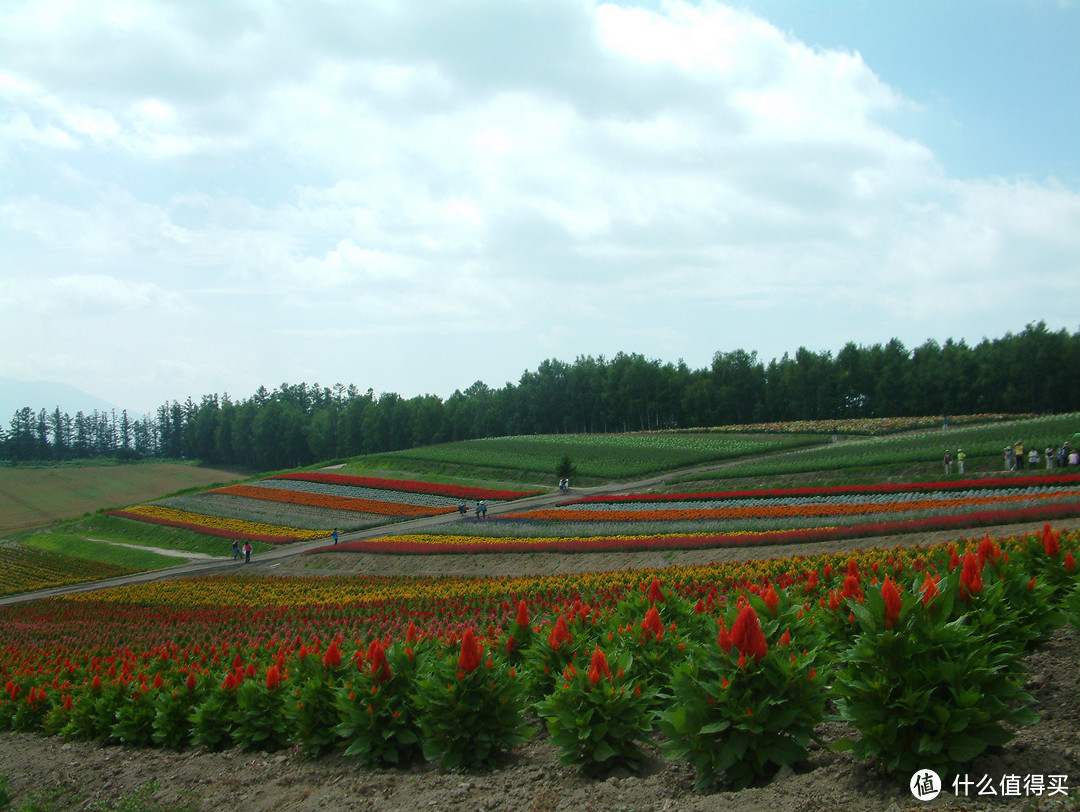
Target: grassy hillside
[(916, 455), (597, 457), (37, 497)]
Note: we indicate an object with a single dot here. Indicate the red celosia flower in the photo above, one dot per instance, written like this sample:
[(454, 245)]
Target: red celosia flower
[(191, 683), (559, 634), (891, 596), (158, 681), (598, 667), (971, 575), (772, 600), (1050, 541), (852, 589), (988, 550), (785, 638), (954, 559), (656, 595), (652, 625), (470, 652), (747, 636), (332, 657), (376, 657), (929, 589), (273, 677), (1070, 563), (724, 638), (522, 619)]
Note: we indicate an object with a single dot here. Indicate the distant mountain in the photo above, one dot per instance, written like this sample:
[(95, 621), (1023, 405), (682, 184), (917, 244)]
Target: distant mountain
[(47, 395)]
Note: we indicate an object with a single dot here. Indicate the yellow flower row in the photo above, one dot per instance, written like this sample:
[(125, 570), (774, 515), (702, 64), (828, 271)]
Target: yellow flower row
[(157, 512)]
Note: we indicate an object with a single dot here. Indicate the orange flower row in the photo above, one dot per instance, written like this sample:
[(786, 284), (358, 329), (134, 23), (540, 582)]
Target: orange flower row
[(376, 506)]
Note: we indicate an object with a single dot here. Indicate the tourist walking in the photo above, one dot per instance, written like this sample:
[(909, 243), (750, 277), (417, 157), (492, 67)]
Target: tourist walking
[(247, 552), (235, 549), (335, 534), (960, 457), (948, 463)]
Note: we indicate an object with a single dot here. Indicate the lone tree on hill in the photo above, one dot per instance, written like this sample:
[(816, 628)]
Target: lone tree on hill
[(565, 469)]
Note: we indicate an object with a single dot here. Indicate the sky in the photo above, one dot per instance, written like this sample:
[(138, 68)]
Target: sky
[(208, 197)]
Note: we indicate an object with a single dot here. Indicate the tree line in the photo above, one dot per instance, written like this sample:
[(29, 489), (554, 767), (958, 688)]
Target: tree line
[(1036, 371)]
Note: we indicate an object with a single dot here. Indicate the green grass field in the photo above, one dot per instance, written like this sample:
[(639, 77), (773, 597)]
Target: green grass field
[(78, 547), (37, 497), (597, 457)]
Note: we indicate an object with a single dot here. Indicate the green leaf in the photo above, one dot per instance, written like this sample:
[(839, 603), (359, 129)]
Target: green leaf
[(715, 727), (963, 747)]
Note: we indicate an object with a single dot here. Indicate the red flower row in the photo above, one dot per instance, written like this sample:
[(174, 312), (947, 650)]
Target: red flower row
[(834, 490), (409, 486)]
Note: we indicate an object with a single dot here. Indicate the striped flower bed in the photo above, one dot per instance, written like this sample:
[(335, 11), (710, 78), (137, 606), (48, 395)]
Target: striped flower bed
[(408, 486), (1060, 481), (318, 502), (216, 526), (302, 497), (799, 507)]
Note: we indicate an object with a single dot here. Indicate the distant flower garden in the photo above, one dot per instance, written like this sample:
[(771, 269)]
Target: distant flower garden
[(642, 522), (318, 500)]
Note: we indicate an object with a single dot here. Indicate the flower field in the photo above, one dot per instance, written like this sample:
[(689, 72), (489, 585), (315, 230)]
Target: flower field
[(638, 522), (23, 568), (980, 441), (730, 663), (860, 425), (304, 506)]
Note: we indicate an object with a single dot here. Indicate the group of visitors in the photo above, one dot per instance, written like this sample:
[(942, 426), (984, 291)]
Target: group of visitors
[(237, 552), (958, 459), (564, 485), (1053, 457), (481, 509)]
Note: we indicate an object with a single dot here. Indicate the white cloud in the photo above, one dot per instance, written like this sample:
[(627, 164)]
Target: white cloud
[(556, 177)]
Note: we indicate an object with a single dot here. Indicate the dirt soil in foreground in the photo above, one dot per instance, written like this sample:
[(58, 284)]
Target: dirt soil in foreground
[(530, 778)]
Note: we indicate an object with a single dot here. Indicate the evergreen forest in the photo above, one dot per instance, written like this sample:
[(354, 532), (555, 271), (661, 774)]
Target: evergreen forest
[(1036, 371)]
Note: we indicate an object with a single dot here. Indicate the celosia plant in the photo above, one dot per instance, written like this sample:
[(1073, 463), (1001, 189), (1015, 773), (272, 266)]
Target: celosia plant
[(744, 707), (471, 707), (311, 710), (925, 691), (378, 719), (596, 717), (259, 721), (171, 711)]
